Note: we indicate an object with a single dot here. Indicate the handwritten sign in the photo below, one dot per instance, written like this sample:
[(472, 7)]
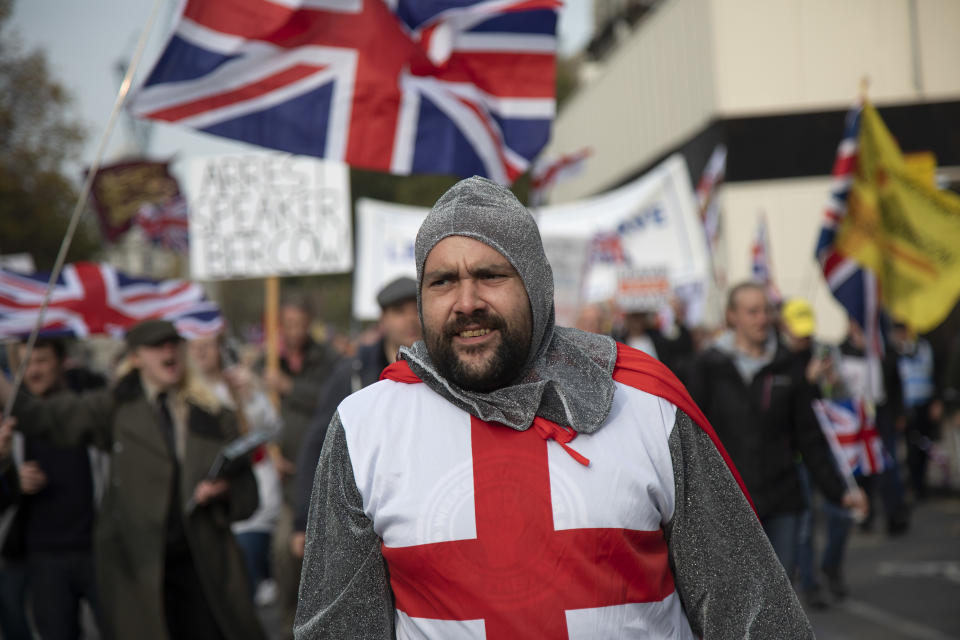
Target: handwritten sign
[(267, 214)]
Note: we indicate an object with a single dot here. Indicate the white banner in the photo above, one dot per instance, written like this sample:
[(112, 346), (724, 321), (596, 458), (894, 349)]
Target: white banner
[(385, 236), (653, 221), (267, 214)]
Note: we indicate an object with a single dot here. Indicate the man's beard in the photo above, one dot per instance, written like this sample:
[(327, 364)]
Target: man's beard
[(501, 367)]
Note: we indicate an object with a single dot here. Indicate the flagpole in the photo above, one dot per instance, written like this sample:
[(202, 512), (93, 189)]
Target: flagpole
[(81, 201), (271, 306)]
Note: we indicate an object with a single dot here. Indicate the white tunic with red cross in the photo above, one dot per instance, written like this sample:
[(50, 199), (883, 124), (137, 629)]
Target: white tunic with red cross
[(494, 533)]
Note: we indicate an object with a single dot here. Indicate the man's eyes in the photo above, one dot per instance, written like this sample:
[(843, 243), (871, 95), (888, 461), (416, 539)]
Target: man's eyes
[(440, 282)]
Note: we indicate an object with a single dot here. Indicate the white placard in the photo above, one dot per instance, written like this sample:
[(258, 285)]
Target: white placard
[(267, 214), (655, 218)]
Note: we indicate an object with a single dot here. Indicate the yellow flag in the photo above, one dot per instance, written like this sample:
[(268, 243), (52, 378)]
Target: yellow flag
[(903, 228)]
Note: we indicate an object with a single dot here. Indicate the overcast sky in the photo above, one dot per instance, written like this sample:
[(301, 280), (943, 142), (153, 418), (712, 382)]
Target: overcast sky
[(84, 40)]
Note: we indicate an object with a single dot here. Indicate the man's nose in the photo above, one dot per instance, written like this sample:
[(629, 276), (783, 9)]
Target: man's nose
[(468, 297)]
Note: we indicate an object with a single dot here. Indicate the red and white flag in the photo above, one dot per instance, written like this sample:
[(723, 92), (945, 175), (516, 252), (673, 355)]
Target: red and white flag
[(710, 181), (760, 263), (547, 173)]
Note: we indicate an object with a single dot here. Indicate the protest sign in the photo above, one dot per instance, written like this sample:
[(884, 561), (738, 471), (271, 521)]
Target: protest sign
[(267, 214), (651, 222), (645, 289)]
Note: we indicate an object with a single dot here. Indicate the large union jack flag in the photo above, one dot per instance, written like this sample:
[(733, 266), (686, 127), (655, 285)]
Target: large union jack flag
[(95, 299), (404, 86)]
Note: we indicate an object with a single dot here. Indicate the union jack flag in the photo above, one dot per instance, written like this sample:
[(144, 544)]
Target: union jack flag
[(710, 181), (392, 85), (850, 430), (854, 287), (606, 248), (95, 299), (165, 224), (760, 262)]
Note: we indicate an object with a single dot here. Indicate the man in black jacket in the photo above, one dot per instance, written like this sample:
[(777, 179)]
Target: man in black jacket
[(53, 526), (754, 392), (400, 327)]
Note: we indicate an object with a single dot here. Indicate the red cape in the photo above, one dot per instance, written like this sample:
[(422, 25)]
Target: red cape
[(635, 369)]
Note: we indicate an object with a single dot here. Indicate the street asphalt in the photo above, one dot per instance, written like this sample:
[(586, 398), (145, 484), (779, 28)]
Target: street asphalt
[(905, 587)]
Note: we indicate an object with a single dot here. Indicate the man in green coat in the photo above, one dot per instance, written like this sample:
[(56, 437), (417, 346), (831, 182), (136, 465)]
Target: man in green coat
[(167, 564)]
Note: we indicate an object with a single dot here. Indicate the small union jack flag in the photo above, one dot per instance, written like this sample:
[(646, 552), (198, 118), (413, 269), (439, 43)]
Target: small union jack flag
[(853, 286), (707, 188), (95, 299), (165, 224), (393, 85), (607, 248), (761, 268), (849, 427)]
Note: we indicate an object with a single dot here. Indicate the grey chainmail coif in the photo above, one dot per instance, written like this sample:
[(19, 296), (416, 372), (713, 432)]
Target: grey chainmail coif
[(567, 374)]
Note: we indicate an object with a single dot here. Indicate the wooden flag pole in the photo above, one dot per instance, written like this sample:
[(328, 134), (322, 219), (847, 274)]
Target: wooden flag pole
[(271, 326), (81, 201), (271, 307)]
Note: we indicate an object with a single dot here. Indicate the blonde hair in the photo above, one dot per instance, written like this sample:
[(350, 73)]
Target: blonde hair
[(191, 387)]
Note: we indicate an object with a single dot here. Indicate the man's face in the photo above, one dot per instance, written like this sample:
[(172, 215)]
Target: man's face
[(161, 365), (294, 327), (205, 354), (476, 315), (43, 370), (400, 323), (750, 316)]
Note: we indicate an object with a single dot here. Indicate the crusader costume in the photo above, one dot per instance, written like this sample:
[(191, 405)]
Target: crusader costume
[(586, 499)]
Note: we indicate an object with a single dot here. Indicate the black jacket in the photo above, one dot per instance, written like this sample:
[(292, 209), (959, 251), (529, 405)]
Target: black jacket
[(765, 426), (349, 375)]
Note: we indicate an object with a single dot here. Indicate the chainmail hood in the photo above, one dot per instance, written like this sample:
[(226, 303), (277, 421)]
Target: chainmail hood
[(567, 374)]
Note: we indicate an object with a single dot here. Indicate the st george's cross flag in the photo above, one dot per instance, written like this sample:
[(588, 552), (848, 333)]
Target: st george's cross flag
[(402, 86), (92, 298)]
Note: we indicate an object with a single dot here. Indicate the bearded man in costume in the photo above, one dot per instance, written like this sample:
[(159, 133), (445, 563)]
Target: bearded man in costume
[(508, 478)]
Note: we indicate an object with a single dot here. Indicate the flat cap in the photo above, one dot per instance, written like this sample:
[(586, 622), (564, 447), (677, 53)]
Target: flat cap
[(151, 333), (399, 290)]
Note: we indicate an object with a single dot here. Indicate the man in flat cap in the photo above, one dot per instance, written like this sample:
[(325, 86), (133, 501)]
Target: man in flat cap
[(399, 327), (166, 561), (513, 479)]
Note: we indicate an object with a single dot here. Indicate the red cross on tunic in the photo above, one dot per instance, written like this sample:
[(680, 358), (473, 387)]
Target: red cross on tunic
[(520, 575)]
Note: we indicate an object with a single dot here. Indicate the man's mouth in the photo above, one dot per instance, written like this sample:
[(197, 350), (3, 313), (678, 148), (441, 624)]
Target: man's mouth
[(474, 333)]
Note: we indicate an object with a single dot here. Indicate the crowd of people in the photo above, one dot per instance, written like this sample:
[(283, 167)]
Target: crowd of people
[(125, 492)]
